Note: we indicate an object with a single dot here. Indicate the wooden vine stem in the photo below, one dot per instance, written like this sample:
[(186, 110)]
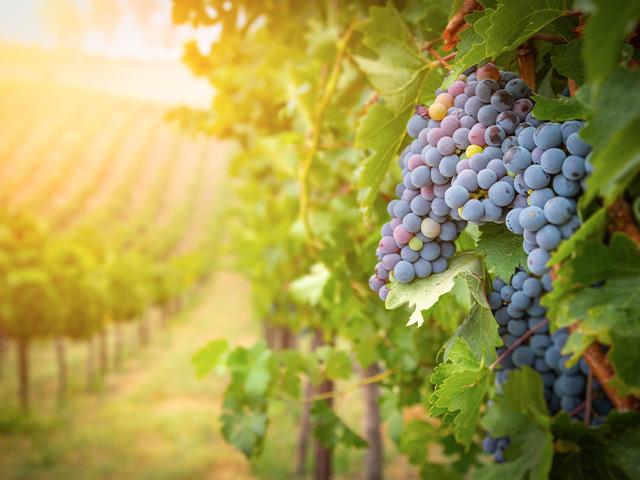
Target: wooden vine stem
[(527, 63), (458, 23)]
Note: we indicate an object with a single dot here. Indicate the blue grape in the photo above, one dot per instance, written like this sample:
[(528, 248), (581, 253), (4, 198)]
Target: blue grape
[(517, 159), (412, 222), (571, 385), (532, 218), (461, 138), (535, 177), (537, 261), (421, 176), (430, 251), (497, 166), (518, 88), (404, 272), (415, 124), (519, 184), (487, 115), (520, 300), (577, 146), (558, 210), (486, 178), (420, 206), (574, 167), (532, 287), (493, 153), (485, 89), (431, 156), (439, 207), (456, 196), (472, 107), (548, 237), (495, 301), (565, 187), (401, 208), (518, 279), (492, 212), (548, 135), (448, 232), (517, 327), (383, 293), (514, 312), (409, 255), (525, 138), (439, 265), (448, 165), (523, 355), (539, 343), (447, 249), (502, 100), (467, 179), (478, 162), (422, 268), (507, 292), (552, 160), (513, 221), (473, 210), (501, 193), (539, 198)]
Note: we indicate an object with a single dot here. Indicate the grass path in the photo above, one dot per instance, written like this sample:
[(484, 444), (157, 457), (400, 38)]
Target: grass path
[(154, 420)]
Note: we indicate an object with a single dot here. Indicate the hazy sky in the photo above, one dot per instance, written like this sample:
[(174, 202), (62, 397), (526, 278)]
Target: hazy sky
[(118, 28)]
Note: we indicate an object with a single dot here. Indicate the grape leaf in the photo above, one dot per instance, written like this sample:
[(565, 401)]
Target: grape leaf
[(209, 356), (616, 165), (423, 294), (592, 228), (567, 60), (330, 430), (609, 311), (520, 413), (338, 365), (606, 29), (502, 249), (610, 451), (245, 431), (310, 287), (559, 109), (380, 133), (502, 29), (461, 383), (479, 332), (398, 68)]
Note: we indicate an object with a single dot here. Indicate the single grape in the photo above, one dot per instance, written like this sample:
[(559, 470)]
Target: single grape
[(456, 196), (383, 292), (492, 212), (494, 135), (501, 193), (448, 231), (495, 301), (520, 185), (446, 146), (439, 207), (525, 138), (537, 261), (448, 165), (517, 159), (472, 107), (548, 135), (514, 312), (577, 146), (461, 138), (415, 124), (565, 187), (467, 122), (507, 292), (522, 107), (558, 210), (517, 327), (437, 178), (486, 178), (473, 210), (388, 245), (502, 100), (437, 111), (521, 300), (478, 162), (420, 206), (439, 265), (512, 221), (421, 176), (401, 235), (416, 244), (497, 166), (493, 153), (476, 135), (487, 115), (508, 121), (548, 237), (539, 198), (574, 167), (485, 89), (539, 343), (532, 287), (422, 268), (431, 156), (449, 124), (552, 160), (409, 255), (488, 70), (404, 272), (523, 355), (517, 88), (467, 179), (572, 385), (375, 283), (535, 177), (430, 228)]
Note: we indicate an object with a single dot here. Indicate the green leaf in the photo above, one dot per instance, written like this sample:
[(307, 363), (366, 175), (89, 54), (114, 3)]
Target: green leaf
[(592, 228), (209, 357), (520, 413), (338, 365), (502, 29), (423, 294), (606, 29), (330, 430), (479, 331), (310, 287), (609, 311), (461, 383), (380, 133), (397, 68), (567, 60), (502, 249), (616, 165), (559, 109), (609, 451), (245, 431)]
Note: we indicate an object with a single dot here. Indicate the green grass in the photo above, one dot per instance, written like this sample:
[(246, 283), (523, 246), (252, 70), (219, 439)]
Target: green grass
[(153, 419)]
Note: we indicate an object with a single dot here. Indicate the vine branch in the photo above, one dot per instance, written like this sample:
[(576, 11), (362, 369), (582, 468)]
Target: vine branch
[(457, 23)]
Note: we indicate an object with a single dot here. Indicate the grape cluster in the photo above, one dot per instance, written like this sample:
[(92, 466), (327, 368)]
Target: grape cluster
[(457, 150), (549, 167), (521, 318)]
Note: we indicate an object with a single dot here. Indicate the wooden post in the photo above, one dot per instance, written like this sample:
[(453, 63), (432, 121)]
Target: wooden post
[(62, 370), (372, 426), (23, 374), (322, 456)]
